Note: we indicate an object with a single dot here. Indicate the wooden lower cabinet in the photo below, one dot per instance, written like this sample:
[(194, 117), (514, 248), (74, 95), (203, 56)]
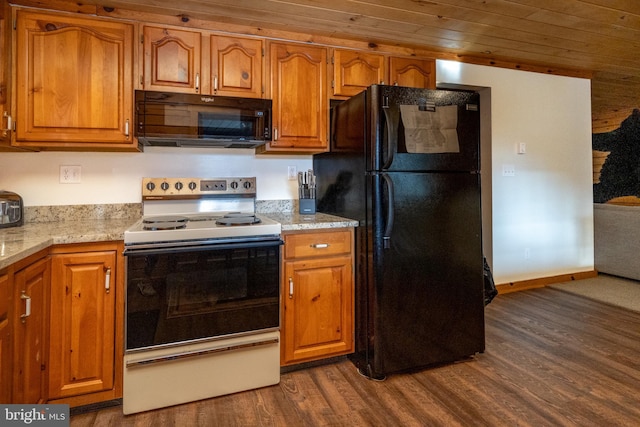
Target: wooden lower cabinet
[(30, 321), (6, 359), (85, 359), (317, 295)]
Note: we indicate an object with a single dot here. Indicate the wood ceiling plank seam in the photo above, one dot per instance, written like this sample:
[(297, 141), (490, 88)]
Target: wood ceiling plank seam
[(583, 10), (500, 16), (630, 6)]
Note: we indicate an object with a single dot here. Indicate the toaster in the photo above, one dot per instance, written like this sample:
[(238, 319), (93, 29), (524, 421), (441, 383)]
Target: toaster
[(11, 210)]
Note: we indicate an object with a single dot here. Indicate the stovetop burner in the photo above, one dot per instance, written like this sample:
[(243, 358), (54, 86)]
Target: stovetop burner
[(162, 225), (165, 218), (238, 219)]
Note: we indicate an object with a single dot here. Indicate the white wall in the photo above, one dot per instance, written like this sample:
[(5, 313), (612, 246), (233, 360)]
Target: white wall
[(545, 210), (542, 216), (116, 177)]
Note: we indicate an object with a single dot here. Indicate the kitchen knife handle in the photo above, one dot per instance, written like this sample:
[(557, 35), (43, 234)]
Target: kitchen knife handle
[(107, 279), (290, 288), (27, 306)]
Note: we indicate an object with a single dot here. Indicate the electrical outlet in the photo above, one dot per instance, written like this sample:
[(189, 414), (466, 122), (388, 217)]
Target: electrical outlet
[(292, 173), (508, 170), (70, 174)]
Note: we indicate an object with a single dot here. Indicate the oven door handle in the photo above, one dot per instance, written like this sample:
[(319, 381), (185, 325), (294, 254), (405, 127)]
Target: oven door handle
[(153, 249), (198, 353)]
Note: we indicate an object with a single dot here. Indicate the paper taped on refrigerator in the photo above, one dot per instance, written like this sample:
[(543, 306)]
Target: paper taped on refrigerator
[(430, 131)]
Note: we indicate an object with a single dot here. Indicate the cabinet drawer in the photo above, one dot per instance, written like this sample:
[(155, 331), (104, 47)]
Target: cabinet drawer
[(301, 245)]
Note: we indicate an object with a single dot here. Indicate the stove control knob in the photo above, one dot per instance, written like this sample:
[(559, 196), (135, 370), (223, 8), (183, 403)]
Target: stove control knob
[(164, 186), (247, 185), (192, 186), (233, 185), (151, 186), (178, 185)]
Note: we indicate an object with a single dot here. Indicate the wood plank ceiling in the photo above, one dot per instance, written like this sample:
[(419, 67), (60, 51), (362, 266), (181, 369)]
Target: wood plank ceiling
[(598, 38)]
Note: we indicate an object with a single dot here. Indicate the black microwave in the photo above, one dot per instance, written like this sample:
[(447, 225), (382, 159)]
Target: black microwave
[(190, 120)]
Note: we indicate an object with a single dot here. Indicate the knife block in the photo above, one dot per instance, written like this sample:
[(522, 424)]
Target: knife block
[(307, 206)]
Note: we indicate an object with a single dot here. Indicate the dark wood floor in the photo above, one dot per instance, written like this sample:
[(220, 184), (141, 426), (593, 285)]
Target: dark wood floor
[(552, 359)]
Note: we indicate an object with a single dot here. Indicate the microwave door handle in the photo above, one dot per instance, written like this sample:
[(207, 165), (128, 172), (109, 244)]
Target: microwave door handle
[(391, 116)]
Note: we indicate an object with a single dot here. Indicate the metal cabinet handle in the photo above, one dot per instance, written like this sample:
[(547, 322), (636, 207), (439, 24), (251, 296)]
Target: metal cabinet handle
[(197, 82), (107, 279), (27, 306), (9, 122), (126, 128), (275, 134), (290, 288), (215, 83), (320, 245)]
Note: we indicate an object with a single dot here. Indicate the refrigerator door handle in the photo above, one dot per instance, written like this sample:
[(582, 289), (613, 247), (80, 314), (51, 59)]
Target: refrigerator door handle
[(386, 237), (391, 116)]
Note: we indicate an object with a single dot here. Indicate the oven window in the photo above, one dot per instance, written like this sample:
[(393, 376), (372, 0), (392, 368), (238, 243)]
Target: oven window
[(176, 297)]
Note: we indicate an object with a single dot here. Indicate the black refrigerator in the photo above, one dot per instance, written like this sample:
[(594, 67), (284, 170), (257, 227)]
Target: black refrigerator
[(405, 163)]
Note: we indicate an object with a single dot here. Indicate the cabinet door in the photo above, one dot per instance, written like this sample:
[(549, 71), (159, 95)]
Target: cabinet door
[(74, 82), (82, 354), (6, 359), (236, 66), (5, 64), (172, 59), (298, 90), (354, 71), (30, 327), (412, 72), (318, 305)]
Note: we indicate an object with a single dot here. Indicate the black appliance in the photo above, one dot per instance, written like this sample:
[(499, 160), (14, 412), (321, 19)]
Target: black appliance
[(190, 120), (405, 163)]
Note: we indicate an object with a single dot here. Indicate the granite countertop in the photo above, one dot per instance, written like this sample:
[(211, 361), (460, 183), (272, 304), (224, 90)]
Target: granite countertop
[(291, 221), (17, 243)]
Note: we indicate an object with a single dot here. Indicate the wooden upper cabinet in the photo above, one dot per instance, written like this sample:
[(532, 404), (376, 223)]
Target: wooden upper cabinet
[(412, 72), (5, 64), (300, 103), (354, 71), (172, 59), (236, 66), (74, 82)]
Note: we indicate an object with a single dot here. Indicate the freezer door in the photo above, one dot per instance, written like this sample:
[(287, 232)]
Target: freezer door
[(425, 303), (423, 130)]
